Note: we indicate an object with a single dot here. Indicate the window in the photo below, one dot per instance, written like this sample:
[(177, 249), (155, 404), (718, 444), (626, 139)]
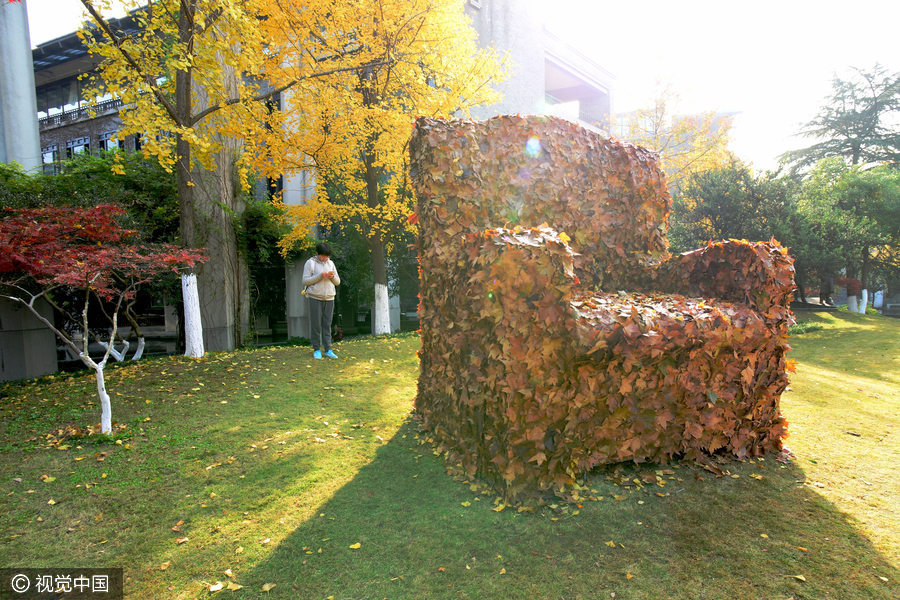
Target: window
[(274, 187), (50, 158), (59, 98), (78, 146), (108, 141)]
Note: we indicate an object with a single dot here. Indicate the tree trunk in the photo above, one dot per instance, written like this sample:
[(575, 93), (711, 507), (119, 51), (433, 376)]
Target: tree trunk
[(193, 323), (193, 332), (223, 282), (105, 407), (381, 315), (864, 278), (800, 282)]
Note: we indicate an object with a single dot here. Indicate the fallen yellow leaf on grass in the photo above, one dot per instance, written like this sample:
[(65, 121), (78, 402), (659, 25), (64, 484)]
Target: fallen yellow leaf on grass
[(355, 546), (629, 576), (611, 544), (233, 586), (216, 587), (239, 550), (51, 502), (268, 586), (763, 535), (229, 573), (503, 571), (164, 566), (801, 548), (466, 503), (499, 508), (181, 540), (800, 577)]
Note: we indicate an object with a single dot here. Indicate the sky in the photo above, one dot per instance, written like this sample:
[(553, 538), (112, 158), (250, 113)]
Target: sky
[(773, 61)]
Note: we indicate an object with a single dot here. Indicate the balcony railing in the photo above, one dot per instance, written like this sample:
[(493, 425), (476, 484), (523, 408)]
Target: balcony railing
[(582, 116), (75, 114)]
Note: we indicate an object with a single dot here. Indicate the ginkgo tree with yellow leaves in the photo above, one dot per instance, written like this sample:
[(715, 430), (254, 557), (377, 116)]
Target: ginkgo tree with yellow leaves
[(196, 78), (687, 143), (351, 127), (177, 72)]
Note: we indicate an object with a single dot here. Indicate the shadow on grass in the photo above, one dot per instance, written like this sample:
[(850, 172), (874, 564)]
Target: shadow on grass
[(710, 538), (222, 467)]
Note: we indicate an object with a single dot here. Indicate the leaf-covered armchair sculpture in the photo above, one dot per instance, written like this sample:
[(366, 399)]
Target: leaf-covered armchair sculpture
[(558, 333)]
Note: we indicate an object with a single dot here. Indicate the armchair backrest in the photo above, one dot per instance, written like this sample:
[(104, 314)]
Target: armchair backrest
[(609, 197)]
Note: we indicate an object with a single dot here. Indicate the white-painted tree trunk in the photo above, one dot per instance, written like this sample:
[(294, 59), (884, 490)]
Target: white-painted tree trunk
[(852, 304), (118, 355), (193, 325), (105, 407), (865, 301), (382, 311), (140, 349)]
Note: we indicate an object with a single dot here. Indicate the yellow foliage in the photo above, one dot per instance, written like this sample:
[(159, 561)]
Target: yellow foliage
[(351, 126), (352, 75), (686, 143), (142, 69)]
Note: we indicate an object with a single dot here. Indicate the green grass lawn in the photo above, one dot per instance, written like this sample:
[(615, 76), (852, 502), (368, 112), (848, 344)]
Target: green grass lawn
[(266, 467)]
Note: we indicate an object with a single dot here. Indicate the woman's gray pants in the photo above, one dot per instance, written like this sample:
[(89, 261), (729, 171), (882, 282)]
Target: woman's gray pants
[(320, 315)]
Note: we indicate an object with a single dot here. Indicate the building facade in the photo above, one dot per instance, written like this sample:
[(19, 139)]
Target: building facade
[(549, 76)]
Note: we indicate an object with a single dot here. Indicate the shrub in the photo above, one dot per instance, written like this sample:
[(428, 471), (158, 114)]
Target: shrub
[(854, 287)]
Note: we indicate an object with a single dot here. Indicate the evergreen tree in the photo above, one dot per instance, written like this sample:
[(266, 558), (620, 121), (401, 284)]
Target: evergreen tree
[(854, 123)]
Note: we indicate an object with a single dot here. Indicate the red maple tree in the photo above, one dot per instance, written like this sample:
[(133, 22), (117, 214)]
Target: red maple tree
[(43, 250)]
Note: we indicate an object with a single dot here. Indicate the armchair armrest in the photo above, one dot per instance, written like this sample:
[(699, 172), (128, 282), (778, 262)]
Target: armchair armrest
[(759, 275)]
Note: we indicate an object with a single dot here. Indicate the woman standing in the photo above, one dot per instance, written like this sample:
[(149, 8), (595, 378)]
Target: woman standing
[(320, 278)]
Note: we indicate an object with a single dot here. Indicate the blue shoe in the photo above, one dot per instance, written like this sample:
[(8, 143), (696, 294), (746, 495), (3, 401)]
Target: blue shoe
[(330, 354), (317, 355)]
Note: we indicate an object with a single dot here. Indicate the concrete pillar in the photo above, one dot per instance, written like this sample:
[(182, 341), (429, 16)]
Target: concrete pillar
[(513, 26), (27, 347), (298, 189), (20, 140), (394, 310), (170, 314), (297, 304)]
